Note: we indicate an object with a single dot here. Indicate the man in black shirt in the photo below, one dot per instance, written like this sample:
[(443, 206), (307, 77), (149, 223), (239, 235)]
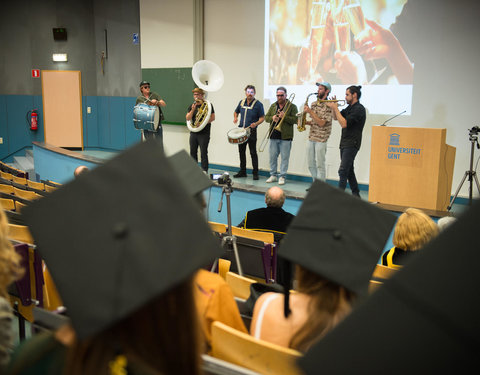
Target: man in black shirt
[(352, 120)]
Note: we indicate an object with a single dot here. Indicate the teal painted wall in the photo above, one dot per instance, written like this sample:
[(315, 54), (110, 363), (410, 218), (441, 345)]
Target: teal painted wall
[(108, 126)]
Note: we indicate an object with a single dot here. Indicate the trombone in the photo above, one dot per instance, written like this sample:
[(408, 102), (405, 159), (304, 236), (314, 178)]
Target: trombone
[(276, 125)]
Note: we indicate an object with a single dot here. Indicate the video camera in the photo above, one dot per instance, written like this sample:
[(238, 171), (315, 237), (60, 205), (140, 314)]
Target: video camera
[(474, 130), (222, 179)]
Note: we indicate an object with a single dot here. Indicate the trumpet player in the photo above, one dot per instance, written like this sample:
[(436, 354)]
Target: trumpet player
[(283, 112), (252, 114), (320, 129), (201, 138), (352, 120)]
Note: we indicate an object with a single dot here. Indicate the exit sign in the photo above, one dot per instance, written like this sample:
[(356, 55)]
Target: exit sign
[(35, 73)]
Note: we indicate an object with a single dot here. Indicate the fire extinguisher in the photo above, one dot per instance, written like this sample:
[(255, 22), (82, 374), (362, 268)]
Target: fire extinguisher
[(32, 119)]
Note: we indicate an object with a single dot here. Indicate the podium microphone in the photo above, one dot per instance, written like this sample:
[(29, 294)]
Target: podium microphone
[(391, 118)]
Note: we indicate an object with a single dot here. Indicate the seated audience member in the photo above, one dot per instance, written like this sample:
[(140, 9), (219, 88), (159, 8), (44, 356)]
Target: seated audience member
[(215, 302), (79, 170), (128, 284), (272, 218), (413, 230), (10, 270), (335, 256)]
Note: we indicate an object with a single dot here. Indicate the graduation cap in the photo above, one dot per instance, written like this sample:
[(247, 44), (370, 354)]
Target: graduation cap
[(114, 239), (337, 236), (192, 176), (423, 320)]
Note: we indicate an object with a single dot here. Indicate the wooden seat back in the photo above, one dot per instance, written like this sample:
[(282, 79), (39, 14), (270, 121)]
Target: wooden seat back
[(244, 350)]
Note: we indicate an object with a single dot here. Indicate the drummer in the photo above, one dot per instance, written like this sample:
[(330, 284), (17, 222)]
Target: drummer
[(252, 115), (151, 98)]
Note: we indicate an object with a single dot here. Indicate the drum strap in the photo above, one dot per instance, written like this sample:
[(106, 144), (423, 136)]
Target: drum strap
[(246, 108)]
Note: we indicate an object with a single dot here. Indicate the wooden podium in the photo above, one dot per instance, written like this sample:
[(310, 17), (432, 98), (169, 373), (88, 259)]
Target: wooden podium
[(411, 167)]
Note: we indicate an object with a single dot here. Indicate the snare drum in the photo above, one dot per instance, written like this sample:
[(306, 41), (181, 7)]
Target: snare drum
[(146, 117), (238, 136)]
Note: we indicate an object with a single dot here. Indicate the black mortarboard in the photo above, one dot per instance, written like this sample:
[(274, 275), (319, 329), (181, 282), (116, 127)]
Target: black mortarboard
[(191, 175), (115, 238), (337, 236), (423, 320)]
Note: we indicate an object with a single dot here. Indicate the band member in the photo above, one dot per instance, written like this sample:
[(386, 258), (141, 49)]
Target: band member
[(320, 129), (201, 138), (252, 114), (281, 141), (352, 120), (153, 99)]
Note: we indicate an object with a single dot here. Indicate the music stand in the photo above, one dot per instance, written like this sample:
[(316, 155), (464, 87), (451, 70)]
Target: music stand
[(471, 174)]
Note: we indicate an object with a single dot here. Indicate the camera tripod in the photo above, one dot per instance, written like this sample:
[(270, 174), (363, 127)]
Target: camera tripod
[(229, 241), (471, 174)]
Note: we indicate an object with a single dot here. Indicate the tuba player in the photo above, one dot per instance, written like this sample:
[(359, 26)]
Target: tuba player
[(202, 137)]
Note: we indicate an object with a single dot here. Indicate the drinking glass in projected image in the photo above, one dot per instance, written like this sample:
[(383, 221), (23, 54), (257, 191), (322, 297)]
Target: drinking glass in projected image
[(342, 33), (354, 15), (319, 20)]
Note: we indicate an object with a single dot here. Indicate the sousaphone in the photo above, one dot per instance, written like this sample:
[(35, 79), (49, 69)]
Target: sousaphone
[(209, 77)]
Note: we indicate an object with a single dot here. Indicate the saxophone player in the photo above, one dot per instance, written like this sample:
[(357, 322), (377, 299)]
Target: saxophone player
[(202, 137), (320, 128)]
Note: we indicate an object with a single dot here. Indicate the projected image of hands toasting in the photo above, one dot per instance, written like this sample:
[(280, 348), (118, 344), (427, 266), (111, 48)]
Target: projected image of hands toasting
[(344, 41)]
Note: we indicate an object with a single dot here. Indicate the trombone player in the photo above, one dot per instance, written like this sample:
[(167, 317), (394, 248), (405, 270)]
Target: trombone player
[(320, 129), (283, 115)]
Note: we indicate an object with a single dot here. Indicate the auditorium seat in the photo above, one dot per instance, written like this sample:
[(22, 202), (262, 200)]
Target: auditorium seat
[(7, 204), (223, 267), (20, 233), (27, 292), (26, 194), (7, 189), (241, 349), (266, 237), (19, 205), (6, 175), (50, 188), (36, 185), (20, 180), (240, 285)]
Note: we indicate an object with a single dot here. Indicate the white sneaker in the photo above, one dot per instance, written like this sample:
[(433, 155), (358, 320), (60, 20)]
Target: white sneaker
[(281, 181), (271, 179)]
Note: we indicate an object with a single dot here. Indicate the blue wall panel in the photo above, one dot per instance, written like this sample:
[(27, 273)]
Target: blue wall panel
[(3, 125), (90, 122), (117, 123), (132, 135), (103, 122)]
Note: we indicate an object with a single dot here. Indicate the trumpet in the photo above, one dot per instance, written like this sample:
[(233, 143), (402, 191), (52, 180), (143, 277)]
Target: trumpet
[(333, 101), (276, 125), (302, 116)]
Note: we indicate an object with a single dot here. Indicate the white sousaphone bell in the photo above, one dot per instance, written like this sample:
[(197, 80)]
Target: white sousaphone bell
[(209, 77)]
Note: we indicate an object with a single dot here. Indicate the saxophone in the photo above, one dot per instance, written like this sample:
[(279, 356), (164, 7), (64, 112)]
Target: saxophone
[(302, 116)]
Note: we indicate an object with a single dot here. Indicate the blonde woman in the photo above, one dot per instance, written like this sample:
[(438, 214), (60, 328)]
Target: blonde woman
[(10, 270), (413, 230)]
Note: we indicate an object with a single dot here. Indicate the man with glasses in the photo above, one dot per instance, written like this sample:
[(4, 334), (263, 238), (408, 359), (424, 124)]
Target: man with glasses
[(153, 99), (251, 115), (280, 141)]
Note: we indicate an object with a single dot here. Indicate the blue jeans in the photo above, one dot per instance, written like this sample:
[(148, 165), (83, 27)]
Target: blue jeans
[(282, 148), (346, 171), (316, 152)]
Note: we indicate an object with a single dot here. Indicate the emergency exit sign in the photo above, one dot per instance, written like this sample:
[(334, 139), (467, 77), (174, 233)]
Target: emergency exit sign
[(35, 73)]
